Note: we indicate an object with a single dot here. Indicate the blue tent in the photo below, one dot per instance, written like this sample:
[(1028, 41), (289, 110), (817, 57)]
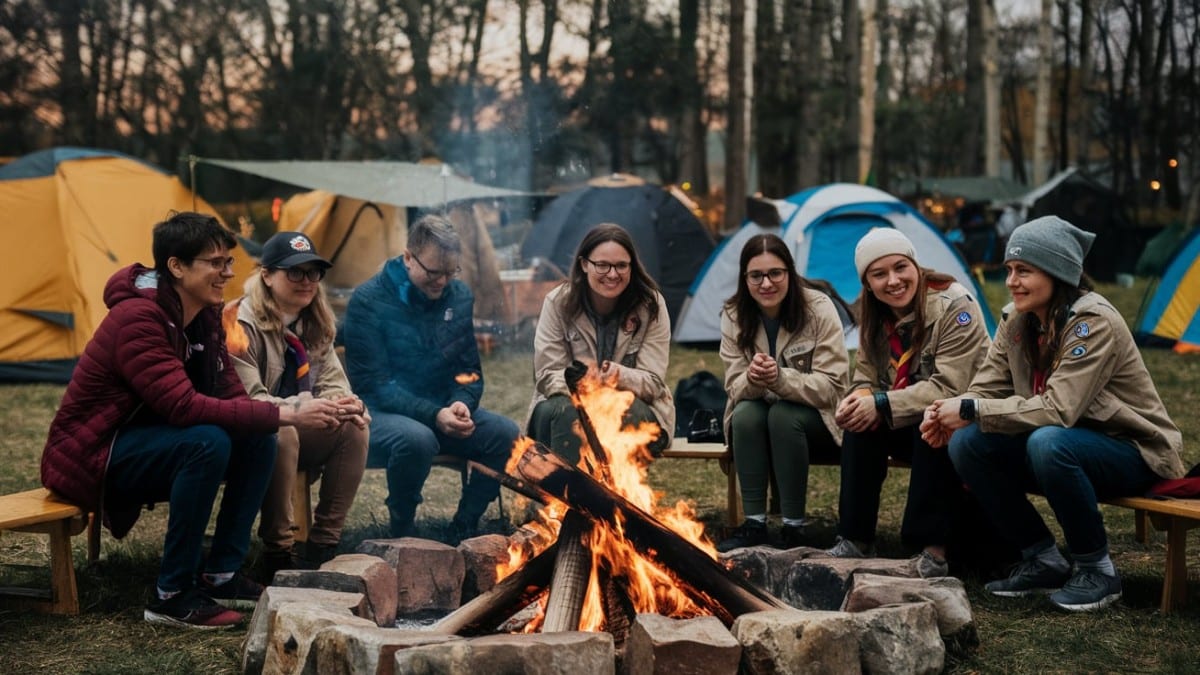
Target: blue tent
[(822, 226)]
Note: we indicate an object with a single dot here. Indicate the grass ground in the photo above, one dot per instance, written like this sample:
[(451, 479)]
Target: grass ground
[(1016, 636)]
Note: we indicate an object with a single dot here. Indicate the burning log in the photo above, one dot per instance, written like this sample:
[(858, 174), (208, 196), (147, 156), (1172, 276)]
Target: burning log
[(572, 568), (515, 591), (709, 584), (515, 484), (618, 610), (574, 375)]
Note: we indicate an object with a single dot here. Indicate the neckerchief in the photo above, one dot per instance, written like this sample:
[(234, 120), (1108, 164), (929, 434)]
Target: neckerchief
[(296, 371), (900, 346)]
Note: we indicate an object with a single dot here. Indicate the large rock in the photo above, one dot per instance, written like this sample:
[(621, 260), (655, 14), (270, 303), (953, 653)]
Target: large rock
[(534, 654), (294, 627), (481, 555), (764, 566), (665, 646), (900, 639), (255, 647), (354, 573), (794, 641), (949, 598), (429, 574), (357, 650), (821, 582)]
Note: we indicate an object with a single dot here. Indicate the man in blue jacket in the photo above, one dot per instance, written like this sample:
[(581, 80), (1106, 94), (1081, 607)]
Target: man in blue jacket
[(412, 357)]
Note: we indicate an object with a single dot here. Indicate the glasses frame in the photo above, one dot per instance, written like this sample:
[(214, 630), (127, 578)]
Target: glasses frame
[(218, 263), (435, 275), (780, 272), (297, 275), (603, 268)]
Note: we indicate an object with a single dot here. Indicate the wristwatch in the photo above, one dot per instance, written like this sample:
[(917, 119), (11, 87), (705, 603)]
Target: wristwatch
[(966, 409)]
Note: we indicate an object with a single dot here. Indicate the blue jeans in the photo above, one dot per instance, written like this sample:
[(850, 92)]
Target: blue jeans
[(406, 448), (1074, 468), (184, 466)]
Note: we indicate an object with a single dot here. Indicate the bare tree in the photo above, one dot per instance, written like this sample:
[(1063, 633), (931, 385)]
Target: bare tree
[(1041, 113)]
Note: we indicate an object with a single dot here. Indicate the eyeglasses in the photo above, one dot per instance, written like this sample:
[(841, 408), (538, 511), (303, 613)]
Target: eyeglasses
[(296, 275), (435, 275), (218, 263), (603, 268), (775, 274)]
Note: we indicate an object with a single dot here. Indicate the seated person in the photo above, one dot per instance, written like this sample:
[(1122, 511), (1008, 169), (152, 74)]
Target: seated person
[(285, 353), (1063, 405), (155, 412), (922, 337), (608, 314), (412, 357), (785, 366)]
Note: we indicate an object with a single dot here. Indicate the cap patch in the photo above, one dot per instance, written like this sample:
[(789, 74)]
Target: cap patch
[(300, 243), (1083, 330), (963, 318), (1014, 251)]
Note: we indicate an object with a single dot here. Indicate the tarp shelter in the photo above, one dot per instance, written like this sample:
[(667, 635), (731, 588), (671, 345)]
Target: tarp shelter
[(1172, 317), (1092, 206), (74, 216), (671, 241), (822, 225)]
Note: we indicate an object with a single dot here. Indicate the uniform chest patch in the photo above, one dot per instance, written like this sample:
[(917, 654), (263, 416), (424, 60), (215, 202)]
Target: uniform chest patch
[(1078, 351), (1083, 330), (963, 318)]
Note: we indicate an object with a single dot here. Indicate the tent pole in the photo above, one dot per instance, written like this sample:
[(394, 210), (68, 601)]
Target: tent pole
[(192, 176)]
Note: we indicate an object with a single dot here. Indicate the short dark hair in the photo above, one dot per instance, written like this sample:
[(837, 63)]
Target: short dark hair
[(185, 235)]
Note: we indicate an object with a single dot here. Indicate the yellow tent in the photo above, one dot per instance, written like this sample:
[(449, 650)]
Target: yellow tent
[(76, 216)]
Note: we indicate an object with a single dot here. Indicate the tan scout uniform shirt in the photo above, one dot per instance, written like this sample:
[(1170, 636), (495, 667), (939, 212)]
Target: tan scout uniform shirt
[(642, 350), (1098, 381), (956, 342), (814, 367), (261, 367)]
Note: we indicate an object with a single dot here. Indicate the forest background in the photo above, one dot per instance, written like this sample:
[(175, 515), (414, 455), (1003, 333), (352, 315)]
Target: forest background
[(721, 96)]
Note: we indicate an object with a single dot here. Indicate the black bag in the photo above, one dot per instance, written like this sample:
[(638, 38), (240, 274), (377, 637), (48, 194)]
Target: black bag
[(699, 406)]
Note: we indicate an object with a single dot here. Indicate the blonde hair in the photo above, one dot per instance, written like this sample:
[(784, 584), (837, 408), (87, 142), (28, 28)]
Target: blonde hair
[(319, 327)]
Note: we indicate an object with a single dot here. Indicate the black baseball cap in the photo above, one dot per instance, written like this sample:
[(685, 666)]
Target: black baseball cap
[(288, 249)]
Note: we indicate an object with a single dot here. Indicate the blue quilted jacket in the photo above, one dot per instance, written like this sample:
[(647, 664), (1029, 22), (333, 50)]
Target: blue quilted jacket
[(407, 354)]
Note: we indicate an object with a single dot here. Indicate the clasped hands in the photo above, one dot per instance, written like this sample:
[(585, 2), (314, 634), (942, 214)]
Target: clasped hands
[(308, 412), (941, 419), (455, 420), (763, 371)]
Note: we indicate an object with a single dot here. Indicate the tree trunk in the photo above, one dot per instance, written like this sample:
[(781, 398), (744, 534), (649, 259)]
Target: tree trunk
[(851, 59), (991, 91), (1082, 129), (737, 143), (866, 106), (691, 129), (974, 99), (1041, 112)]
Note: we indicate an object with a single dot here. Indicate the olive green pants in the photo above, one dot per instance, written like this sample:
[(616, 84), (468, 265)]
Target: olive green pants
[(553, 424), (781, 436)]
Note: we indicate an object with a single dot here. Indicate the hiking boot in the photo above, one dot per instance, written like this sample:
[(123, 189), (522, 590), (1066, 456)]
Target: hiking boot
[(240, 592), (844, 548), (749, 533), (316, 554), (1029, 577), (274, 561), (460, 530), (791, 536), (1086, 590), (930, 566), (191, 609)]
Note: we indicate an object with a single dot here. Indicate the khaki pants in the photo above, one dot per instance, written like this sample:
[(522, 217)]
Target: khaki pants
[(339, 456)]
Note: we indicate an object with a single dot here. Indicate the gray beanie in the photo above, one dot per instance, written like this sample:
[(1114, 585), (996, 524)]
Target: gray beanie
[(1052, 245), (877, 243)]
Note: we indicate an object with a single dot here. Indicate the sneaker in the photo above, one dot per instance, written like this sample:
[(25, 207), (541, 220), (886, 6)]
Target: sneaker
[(791, 536), (191, 609), (1029, 577), (240, 592), (1086, 590), (844, 548), (749, 533), (930, 566)]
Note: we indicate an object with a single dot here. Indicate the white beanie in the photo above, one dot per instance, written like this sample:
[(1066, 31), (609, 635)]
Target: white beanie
[(879, 242)]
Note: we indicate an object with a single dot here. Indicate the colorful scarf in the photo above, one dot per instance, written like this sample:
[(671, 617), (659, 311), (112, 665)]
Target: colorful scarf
[(900, 346)]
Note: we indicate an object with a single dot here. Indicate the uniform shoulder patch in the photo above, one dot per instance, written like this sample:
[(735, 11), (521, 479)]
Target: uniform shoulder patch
[(963, 318), (1078, 351), (1083, 329)]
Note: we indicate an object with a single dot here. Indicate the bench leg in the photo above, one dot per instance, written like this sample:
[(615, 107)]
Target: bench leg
[(733, 500), (1139, 525), (93, 538), (301, 507), (65, 599), (1174, 593)]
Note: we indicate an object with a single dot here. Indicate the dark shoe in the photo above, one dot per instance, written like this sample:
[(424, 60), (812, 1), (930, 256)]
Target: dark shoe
[(930, 566), (460, 530), (1086, 590), (191, 609), (316, 554), (749, 533), (240, 592), (1029, 577), (844, 548), (274, 561), (791, 536)]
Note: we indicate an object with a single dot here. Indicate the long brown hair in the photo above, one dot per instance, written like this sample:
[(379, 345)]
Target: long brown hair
[(1062, 298), (641, 289), (874, 314), (793, 310), (318, 323)]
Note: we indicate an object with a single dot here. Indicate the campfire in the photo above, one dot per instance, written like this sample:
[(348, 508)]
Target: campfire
[(606, 550)]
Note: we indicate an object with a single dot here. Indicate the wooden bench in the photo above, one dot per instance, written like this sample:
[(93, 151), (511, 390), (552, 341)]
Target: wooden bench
[(302, 505), (40, 511), (1175, 517)]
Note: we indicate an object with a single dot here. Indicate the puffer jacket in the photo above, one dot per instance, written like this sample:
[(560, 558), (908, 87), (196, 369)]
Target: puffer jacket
[(409, 355), (1097, 381), (135, 364)]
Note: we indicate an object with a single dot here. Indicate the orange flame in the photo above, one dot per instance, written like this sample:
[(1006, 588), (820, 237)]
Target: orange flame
[(650, 588), (466, 378), (235, 336)]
